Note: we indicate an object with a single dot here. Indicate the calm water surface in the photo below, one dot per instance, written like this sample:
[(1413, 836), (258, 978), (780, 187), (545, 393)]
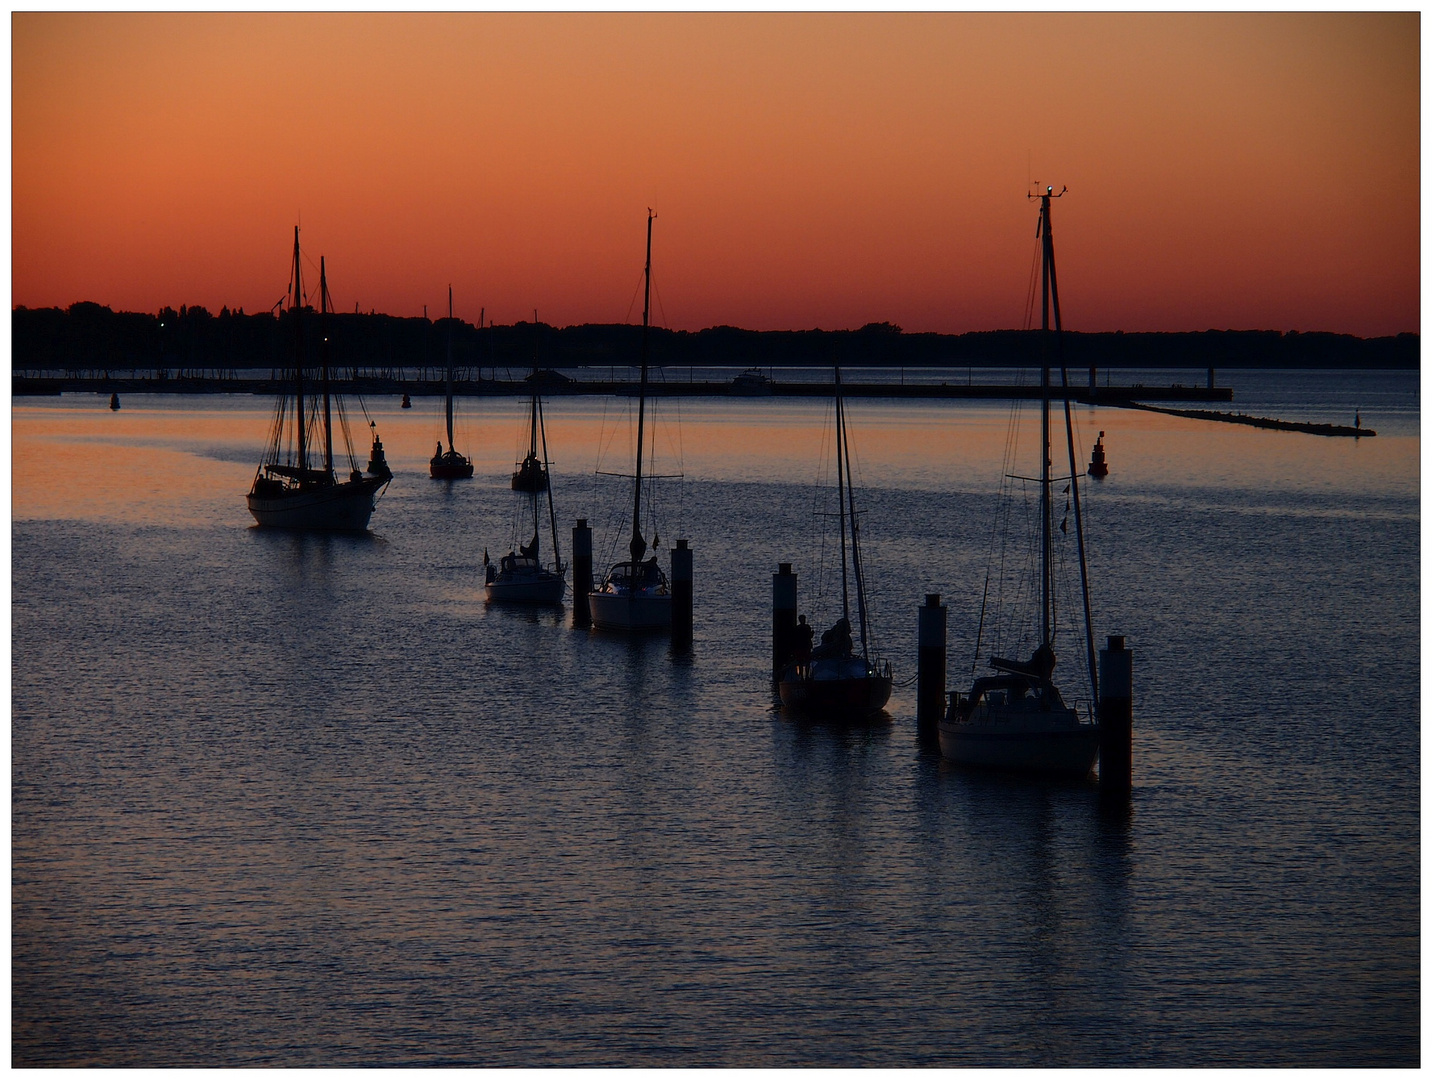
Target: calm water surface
[(283, 800)]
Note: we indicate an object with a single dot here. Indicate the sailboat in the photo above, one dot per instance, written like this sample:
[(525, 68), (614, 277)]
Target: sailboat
[(531, 474), (1016, 719), (290, 489), (519, 577), (449, 465), (635, 594), (835, 680)]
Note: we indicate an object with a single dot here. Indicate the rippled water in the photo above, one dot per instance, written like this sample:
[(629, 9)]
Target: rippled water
[(306, 801)]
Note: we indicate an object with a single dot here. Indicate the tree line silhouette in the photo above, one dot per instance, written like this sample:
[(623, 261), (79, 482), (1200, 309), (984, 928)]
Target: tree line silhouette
[(90, 336)]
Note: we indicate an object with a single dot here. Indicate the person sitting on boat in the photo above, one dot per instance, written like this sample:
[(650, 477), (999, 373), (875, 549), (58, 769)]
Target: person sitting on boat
[(835, 643), (651, 574)]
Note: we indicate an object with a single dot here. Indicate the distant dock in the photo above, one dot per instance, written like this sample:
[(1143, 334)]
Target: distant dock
[(558, 386)]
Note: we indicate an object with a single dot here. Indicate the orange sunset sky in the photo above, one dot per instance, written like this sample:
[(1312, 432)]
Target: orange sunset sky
[(808, 170)]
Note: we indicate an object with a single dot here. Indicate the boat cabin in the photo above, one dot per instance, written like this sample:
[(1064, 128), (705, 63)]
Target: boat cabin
[(1007, 692), (629, 576)]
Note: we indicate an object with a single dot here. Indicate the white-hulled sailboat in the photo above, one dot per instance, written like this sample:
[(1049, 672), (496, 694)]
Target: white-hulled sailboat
[(1016, 719), (449, 464), (835, 681), (635, 594), (291, 491)]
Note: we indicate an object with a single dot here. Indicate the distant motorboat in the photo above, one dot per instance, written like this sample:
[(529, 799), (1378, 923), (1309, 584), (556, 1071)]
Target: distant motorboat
[(291, 491), (1098, 467), (751, 383)]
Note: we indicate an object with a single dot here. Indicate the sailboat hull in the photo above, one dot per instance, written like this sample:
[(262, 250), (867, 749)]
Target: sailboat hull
[(335, 508), (546, 588), (839, 696), (1051, 749), (450, 471), (630, 611)]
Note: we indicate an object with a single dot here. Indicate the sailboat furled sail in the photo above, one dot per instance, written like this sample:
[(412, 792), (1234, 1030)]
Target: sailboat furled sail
[(1016, 719), (635, 594), (449, 464), (293, 488), (833, 680)]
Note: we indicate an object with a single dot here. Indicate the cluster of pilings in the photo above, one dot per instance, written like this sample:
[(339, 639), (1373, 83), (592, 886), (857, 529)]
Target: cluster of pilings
[(1116, 678)]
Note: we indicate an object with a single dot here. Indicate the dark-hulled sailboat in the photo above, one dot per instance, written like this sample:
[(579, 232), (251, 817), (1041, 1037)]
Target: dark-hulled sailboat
[(531, 474), (1016, 719), (449, 464), (519, 576), (290, 489), (835, 681)]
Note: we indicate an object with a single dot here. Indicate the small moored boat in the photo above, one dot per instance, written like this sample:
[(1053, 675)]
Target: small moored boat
[(449, 464), (832, 681)]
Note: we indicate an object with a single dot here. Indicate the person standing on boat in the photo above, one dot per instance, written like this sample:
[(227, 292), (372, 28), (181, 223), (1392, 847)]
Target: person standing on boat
[(805, 637)]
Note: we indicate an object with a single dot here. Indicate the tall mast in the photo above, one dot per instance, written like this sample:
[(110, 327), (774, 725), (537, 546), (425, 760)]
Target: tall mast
[(840, 494), (296, 306), (323, 333), (551, 510), (451, 448), (638, 544), (532, 440), (854, 526), (1046, 590), (1073, 465)]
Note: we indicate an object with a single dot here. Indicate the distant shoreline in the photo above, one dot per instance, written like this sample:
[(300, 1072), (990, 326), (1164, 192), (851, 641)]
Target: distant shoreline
[(89, 337)]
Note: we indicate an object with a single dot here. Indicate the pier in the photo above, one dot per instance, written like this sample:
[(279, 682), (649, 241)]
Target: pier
[(556, 385)]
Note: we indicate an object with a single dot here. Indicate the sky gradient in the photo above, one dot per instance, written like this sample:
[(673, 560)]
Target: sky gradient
[(1244, 171)]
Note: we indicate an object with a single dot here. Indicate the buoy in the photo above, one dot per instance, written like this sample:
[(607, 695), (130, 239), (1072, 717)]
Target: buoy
[(1097, 465), (407, 402), (930, 669), (783, 618)]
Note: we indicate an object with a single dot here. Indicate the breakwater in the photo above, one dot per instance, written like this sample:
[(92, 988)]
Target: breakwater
[(1334, 430)]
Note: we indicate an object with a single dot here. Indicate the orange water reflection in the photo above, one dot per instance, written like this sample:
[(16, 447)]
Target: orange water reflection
[(189, 460)]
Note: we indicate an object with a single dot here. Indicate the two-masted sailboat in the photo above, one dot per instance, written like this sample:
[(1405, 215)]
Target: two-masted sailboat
[(635, 594), (449, 464), (291, 489), (1016, 719), (834, 680), (519, 576)]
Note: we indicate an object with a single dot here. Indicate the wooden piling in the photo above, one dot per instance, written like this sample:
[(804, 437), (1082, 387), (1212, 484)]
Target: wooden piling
[(581, 573), (681, 595), (1116, 717), (783, 618), (930, 669)]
